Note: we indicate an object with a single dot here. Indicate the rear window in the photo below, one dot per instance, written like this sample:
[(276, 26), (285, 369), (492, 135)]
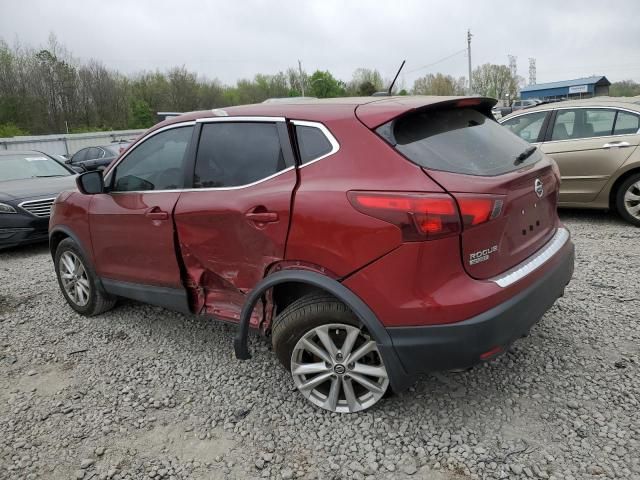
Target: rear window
[(460, 140)]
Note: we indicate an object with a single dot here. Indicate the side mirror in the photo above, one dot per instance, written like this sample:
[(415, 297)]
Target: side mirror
[(90, 183), (68, 161)]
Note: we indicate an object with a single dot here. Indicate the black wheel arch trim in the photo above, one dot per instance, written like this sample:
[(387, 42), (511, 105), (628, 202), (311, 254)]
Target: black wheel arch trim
[(69, 233), (398, 377)]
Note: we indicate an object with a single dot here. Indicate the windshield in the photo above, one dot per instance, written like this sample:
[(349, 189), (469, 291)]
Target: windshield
[(19, 167), (458, 140)]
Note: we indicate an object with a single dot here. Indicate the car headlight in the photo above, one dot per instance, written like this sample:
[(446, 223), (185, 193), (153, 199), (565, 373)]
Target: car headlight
[(4, 208)]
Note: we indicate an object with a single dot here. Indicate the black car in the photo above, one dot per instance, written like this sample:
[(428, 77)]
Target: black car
[(97, 158), (29, 183)]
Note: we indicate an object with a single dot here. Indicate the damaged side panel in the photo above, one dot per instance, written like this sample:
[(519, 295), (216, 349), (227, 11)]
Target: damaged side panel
[(212, 294), (228, 238)]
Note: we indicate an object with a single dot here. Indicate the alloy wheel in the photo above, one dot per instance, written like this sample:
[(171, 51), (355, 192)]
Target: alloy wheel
[(632, 200), (74, 278), (339, 368)]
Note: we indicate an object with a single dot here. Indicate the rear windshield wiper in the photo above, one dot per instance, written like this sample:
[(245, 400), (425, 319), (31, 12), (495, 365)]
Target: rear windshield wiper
[(524, 155), (47, 176)]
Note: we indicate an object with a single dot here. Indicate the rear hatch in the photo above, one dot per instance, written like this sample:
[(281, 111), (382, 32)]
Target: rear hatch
[(506, 190)]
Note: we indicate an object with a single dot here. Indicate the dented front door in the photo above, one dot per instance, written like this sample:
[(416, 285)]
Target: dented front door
[(234, 223)]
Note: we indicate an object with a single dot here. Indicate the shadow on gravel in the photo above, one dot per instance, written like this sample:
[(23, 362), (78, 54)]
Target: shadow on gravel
[(25, 250), (592, 217)]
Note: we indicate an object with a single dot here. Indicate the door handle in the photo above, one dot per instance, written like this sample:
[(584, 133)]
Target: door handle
[(616, 144), (262, 217), (156, 214)]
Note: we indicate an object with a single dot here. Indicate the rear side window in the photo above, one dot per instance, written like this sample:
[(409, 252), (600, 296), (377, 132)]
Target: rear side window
[(235, 154), (598, 123), (80, 156), (460, 140), (626, 124), (312, 143), (583, 123)]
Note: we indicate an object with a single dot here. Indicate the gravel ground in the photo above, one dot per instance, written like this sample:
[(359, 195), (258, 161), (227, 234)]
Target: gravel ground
[(141, 392)]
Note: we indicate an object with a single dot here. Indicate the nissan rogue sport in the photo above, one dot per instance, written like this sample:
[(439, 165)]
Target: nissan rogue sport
[(372, 239)]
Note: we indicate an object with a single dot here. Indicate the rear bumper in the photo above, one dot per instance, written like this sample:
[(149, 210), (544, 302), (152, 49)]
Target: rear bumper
[(461, 345)]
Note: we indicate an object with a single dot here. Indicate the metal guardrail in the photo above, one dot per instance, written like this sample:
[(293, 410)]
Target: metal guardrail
[(66, 144)]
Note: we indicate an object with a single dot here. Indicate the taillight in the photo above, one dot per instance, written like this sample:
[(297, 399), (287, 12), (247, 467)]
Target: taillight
[(478, 209), (419, 216)]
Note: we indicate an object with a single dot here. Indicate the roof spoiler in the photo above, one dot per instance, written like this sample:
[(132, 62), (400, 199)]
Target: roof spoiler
[(382, 111)]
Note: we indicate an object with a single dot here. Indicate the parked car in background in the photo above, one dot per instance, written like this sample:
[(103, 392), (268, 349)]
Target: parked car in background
[(595, 143), (97, 158), (373, 238), (64, 160), (499, 112), (29, 182)]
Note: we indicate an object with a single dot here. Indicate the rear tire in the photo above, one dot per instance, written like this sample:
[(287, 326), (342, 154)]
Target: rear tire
[(628, 199), (78, 281), (334, 362)]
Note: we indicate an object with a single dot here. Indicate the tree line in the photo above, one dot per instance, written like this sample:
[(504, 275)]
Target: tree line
[(46, 90)]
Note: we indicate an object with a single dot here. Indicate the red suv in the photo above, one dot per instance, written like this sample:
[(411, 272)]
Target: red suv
[(373, 239)]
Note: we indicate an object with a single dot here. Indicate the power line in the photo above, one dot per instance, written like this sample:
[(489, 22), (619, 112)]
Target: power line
[(438, 61)]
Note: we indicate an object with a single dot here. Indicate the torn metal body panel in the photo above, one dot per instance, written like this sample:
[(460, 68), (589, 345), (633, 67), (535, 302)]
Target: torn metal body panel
[(227, 243)]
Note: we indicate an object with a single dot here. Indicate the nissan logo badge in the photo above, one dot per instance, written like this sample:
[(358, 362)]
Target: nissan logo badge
[(539, 188)]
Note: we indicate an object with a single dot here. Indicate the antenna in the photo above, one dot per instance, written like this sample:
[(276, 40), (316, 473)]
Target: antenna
[(396, 77)]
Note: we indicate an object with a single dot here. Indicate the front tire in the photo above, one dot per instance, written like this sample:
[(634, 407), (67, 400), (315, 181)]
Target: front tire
[(628, 199), (334, 362), (78, 282)]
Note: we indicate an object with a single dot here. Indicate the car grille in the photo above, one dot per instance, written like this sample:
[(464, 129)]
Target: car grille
[(39, 208)]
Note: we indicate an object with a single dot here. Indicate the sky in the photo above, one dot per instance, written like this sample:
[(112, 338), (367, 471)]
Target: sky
[(229, 40)]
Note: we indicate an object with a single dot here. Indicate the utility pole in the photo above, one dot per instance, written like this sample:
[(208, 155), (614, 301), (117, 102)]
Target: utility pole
[(532, 71), (301, 79), (469, 52)]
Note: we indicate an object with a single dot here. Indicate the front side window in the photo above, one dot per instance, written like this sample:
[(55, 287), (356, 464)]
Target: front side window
[(156, 164), (626, 124), (528, 126), (563, 128), (233, 154)]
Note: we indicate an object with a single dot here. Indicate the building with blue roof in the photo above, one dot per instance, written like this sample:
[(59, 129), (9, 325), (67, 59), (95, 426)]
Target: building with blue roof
[(568, 89)]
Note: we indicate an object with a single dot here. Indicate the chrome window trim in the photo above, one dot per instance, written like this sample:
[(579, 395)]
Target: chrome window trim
[(335, 145), (534, 262), (637, 114), (251, 118), (209, 189)]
